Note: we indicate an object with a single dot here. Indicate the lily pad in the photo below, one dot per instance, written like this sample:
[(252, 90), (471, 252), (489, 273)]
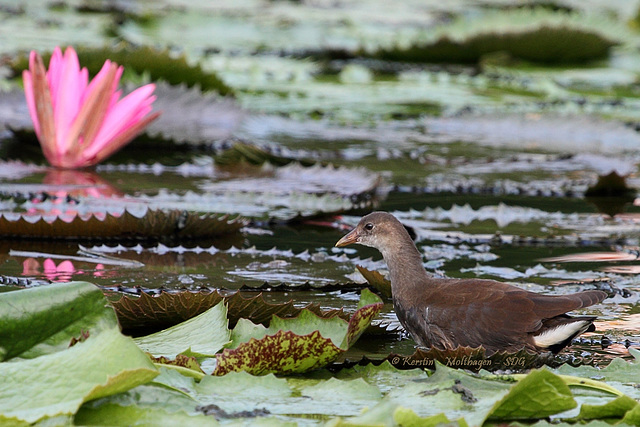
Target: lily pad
[(169, 308), (160, 65), (298, 344), (538, 395), (57, 380), (377, 281), (54, 315), (526, 34), (154, 225), (201, 336)]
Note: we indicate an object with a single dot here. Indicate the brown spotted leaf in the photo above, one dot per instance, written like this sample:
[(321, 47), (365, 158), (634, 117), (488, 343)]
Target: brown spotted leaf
[(284, 352), (295, 345), (155, 224), (188, 362)]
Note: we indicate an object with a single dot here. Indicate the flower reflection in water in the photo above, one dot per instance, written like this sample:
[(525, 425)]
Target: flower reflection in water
[(62, 272)]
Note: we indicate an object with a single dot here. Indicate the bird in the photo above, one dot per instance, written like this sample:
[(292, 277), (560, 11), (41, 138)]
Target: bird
[(447, 313)]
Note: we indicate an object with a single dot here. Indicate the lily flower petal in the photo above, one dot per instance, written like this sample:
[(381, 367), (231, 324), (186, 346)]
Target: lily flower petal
[(80, 123)]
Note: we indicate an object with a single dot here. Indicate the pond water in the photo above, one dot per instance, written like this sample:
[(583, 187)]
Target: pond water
[(468, 224), (486, 158)]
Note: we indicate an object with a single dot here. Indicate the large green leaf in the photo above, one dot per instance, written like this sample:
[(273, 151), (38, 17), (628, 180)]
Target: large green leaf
[(538, 395), (200, 336), (615, 409), (97, 362), (623, 375), (53, 315), (149, 404), (298, 344)]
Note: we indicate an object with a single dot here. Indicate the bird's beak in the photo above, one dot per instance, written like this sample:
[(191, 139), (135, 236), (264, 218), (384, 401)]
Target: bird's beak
[(351, 237)]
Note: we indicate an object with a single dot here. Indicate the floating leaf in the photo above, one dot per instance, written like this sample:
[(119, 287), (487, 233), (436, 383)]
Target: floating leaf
[(181, 361), (377, 281), (169, 308), (58, 379), (619, 373), (538, 395), (526, 34), (159, 64), (615, 409), (294, 190), (298, 344), (192, 117), (201, 336), (242, 151), (53, 315), (144, 405), (406, 417), (154, 225)]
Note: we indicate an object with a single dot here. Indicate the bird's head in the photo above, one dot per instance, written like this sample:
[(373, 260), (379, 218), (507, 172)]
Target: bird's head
[(376, 230)]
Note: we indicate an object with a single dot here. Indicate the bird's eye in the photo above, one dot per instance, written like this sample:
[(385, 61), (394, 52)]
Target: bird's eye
[(368, 226)]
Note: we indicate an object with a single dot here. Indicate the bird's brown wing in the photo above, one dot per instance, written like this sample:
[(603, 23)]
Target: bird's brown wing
[(496, 315)]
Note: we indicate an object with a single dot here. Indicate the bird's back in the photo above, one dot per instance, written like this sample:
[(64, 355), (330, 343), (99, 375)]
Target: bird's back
[(495, 315)]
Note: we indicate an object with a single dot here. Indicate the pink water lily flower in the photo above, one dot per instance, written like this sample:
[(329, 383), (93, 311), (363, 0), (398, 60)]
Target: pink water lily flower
[(81, 123)]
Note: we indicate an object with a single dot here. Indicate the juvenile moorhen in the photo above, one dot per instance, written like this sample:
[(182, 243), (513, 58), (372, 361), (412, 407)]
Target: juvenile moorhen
[(447, 313)]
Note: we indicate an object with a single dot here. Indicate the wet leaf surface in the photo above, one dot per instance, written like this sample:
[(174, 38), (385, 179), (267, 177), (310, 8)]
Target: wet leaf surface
[(71, 340)]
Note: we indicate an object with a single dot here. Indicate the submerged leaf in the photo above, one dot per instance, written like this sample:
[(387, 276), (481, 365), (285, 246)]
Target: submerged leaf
[(155, 225)]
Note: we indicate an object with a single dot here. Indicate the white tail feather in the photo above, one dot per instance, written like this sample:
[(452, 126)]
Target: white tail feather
[(560, 333)]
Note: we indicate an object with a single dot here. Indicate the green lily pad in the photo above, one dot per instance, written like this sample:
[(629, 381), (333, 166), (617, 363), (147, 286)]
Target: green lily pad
[(538, 395), (54, 315), (149, 404), (298, 344), (616, 409), (58, 380), (200, 336), (621, 374)]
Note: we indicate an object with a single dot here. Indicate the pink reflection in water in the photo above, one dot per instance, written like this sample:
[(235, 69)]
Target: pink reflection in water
[(62, 272)]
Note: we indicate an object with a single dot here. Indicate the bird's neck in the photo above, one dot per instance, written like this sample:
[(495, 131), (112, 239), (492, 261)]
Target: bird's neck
[(406, 271)]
